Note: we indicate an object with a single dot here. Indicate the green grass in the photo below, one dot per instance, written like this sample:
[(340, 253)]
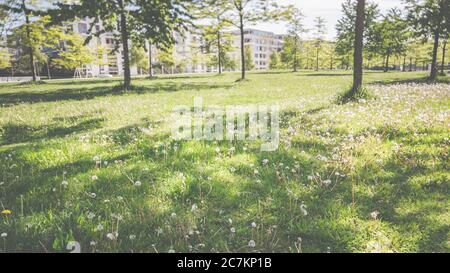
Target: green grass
[(387, 157)]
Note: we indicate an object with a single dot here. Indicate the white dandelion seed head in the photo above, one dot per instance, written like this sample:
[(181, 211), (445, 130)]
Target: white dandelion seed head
[(252, 243), (99, 227), (303, 208), (111, 236), (374, 215)]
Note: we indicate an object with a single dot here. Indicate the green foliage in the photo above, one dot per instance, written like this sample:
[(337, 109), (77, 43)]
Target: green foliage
[(275, 61), (166, 57), (293, 45), (346, 26), (249, 63), (139, 57), (389, 36), (5, 58), (75, 53), (429, 16)]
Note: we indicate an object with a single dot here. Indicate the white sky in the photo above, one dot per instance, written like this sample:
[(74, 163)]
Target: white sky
[(328, 9)]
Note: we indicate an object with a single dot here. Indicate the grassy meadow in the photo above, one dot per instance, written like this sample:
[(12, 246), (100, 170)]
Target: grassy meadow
[(82, 161)]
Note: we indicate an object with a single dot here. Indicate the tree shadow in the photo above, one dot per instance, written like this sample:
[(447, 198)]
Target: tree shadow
[(78, 94), (174, 180), (325, 75), (410, 190), (423, 80), (20, 133)]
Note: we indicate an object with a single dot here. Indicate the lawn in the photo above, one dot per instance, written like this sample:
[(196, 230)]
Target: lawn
[(82, 161)]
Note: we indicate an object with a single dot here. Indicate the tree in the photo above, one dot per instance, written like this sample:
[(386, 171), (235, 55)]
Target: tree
[(166, 58), (252, 11), (138, 57), (155, 21), (359, 44), (346, 29), (5, 58), (275, 61), (248, 57), (296, 29), (430, 18), (136, 21), (74, 54), (217, 40), (21, 11), (444, 51), (390, 36), (40, 37), (319, 32)]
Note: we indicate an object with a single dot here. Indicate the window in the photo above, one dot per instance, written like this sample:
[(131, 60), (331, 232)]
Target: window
[(82, 28)]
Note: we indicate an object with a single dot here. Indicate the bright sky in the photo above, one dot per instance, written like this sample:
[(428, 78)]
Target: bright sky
[(328, 9)]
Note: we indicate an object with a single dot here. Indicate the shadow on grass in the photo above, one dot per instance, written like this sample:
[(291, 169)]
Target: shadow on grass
[(423, 80), (411, 189), (326, 75), (20, 133), (10, 99), (173, 180)]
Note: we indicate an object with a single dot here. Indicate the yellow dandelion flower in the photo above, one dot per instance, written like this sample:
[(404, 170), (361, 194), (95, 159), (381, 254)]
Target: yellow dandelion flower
[(6, 212)]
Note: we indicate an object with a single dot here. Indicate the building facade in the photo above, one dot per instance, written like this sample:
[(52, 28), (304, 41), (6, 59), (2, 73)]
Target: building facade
[(262, 44)]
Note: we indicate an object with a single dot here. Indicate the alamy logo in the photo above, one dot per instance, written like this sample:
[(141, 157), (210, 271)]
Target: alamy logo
[(241, 123)]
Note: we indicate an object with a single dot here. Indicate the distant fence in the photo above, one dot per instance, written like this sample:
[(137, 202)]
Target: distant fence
[(17, 79)]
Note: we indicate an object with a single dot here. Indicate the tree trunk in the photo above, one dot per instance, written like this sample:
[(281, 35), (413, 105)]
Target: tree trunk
[(30, 49), (386, 66), (219, 50), (126, 51), (48, 71), (150, 59), (434, 61), (443, 57), (404, 64), (241, 27), (307, 60), (295, 54), (317, 59), (410, 64), (358, 55)]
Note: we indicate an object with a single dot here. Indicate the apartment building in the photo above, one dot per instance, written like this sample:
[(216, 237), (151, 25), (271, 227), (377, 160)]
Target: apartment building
[(262, 43), (190, 52), (112, 63)]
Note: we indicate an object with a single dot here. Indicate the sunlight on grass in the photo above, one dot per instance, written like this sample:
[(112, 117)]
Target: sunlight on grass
[(81, 161)]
